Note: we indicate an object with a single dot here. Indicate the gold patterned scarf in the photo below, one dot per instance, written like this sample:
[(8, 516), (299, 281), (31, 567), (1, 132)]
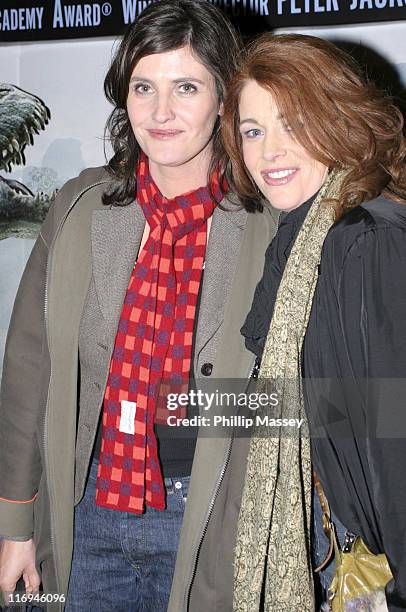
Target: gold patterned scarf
[(273, 570)]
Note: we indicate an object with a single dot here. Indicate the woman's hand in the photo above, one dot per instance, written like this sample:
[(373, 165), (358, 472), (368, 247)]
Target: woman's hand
[(18, 559)]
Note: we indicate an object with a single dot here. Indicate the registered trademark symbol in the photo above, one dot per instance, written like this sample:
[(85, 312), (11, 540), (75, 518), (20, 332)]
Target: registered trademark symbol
[(106, 9)]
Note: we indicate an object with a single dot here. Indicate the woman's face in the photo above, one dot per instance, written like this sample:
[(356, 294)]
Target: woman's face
[(282, 169), (173, 105)]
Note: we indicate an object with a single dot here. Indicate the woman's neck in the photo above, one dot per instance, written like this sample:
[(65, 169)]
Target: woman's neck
[(175, 180)]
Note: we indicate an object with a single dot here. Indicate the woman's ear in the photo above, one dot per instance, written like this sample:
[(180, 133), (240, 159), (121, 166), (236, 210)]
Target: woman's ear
[(221, 109)]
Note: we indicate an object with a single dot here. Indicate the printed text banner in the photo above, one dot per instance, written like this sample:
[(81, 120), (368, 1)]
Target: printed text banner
[(32, 20)]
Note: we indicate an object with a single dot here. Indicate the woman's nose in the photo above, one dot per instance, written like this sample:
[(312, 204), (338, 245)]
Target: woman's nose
[(274, 147), (163, 110)]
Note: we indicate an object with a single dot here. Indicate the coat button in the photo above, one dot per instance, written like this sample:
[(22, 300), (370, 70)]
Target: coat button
[(207, 369)]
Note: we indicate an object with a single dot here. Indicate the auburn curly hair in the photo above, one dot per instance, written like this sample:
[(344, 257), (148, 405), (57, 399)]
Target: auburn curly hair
[(336, 115)]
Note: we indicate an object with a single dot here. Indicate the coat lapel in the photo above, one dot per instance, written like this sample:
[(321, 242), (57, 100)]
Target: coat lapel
[(116, 236), (221, 254)]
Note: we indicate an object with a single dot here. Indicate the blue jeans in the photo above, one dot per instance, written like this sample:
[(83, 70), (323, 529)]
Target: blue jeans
[(320, 543), (124, 561)]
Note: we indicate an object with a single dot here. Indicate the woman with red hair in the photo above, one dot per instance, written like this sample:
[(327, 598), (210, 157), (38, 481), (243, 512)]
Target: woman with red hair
[(309, 136)]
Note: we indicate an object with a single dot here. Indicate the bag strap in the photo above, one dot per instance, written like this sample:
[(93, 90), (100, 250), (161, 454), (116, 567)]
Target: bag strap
[(328, 526)]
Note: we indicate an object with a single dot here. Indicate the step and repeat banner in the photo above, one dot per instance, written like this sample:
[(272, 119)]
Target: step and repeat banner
[(53, 58), (58, 19)]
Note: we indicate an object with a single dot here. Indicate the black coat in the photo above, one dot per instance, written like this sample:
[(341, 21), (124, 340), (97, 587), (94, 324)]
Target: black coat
[(354, 366)]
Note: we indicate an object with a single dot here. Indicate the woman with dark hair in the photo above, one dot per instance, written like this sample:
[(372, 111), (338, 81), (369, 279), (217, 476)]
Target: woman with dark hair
[(307, 134), (113, 309)]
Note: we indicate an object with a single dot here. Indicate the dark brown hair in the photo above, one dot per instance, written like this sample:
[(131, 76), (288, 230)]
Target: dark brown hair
[(165, 26), (338, 117)]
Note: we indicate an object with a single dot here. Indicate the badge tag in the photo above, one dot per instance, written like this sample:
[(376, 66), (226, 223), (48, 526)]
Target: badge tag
[(127, 418)]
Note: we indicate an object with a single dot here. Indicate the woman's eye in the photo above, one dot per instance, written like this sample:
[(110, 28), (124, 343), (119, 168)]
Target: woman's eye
[(187, 88), (142, 88), (252, 133)]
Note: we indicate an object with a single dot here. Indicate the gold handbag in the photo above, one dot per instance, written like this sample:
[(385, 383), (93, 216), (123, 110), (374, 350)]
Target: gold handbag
[(360, 576)]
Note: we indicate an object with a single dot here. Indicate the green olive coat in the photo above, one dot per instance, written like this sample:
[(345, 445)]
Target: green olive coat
[(44, 456)]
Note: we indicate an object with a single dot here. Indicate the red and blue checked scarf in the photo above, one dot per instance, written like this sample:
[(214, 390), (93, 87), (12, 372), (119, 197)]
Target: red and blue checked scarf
[(153, 342)]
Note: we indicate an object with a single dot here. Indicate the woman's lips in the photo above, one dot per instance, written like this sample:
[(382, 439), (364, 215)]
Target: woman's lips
[(278, 176), (164, 134)]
